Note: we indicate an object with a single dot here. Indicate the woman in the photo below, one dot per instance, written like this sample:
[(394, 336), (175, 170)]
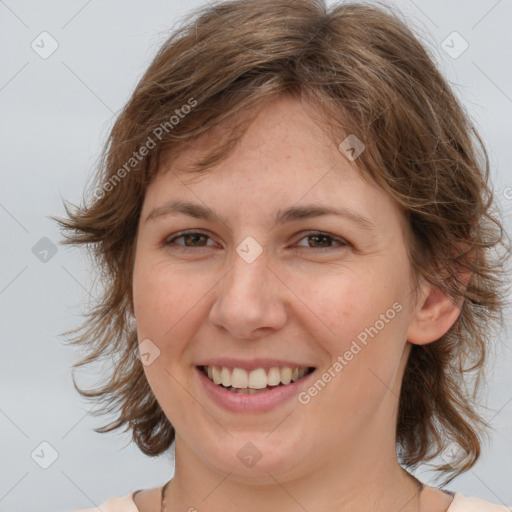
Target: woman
[(295, 228)]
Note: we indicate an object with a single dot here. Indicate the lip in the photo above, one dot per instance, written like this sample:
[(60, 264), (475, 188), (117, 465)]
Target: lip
[(252, 364), (258, 402)]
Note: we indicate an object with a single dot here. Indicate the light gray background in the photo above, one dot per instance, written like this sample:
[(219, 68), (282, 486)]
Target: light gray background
[(55, 115)]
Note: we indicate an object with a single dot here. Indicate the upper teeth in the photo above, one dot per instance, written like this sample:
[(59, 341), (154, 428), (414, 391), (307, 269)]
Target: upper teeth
[(255, 379)]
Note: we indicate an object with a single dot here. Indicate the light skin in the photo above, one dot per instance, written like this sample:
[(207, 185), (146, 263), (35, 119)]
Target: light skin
[(303, 299)]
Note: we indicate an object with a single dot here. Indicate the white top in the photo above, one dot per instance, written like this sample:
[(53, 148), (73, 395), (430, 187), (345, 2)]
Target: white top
[(460, 503)]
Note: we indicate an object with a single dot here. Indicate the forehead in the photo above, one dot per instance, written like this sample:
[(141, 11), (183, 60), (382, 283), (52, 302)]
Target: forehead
[(284, 158), (283, 131)]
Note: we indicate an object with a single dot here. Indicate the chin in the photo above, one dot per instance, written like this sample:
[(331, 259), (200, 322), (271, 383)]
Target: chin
[(254, 458)]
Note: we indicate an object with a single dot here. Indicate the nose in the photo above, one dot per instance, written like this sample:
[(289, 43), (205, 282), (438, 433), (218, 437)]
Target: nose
[(250, 300)]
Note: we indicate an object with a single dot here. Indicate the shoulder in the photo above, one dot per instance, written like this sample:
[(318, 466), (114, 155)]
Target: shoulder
[(116, 504), (463, 503)]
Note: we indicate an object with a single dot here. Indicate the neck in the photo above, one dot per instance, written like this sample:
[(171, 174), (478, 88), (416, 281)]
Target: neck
[(372, 484)]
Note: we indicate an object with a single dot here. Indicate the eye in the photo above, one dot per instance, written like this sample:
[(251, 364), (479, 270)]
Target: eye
[(323, 240), (196, 239)]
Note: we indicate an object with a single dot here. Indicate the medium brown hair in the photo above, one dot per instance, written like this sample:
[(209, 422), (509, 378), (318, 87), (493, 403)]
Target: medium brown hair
[(369, 75)]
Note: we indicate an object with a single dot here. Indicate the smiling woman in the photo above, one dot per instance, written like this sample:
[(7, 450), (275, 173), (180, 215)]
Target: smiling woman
[(303, 269)]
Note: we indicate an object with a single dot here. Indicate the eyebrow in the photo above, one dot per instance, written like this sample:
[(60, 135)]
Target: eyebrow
[(198, 211)]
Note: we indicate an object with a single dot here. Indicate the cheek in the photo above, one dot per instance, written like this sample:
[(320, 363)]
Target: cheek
[(167, 307), (359, 318), (167, 301), (344, 304)]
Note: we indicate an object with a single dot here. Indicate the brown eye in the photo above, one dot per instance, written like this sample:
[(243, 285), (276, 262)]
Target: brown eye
[(191, 240), (315, 240), (320, 240)]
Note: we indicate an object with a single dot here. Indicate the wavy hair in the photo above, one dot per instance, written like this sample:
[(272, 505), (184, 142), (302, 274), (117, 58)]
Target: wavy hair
[(369, 75)]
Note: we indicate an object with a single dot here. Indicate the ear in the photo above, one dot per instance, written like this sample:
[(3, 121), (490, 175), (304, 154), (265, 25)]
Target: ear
[(435, 313)]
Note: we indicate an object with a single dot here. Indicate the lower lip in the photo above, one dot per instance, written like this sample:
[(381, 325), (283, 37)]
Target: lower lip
[(257, 402)]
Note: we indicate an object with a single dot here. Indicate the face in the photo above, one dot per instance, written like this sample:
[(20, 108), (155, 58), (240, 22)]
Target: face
[(326, 294)]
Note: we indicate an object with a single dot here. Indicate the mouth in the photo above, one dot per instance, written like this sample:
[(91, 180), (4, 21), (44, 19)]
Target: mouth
[(258, 380)]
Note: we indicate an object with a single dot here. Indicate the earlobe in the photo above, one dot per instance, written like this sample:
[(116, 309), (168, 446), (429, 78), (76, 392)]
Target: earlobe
[(434, 316)]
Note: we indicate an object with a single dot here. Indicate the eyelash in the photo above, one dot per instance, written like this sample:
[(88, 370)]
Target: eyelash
[(342, 243)]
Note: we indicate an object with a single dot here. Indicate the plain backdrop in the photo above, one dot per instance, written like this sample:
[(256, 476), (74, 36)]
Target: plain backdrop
[(56, 110)]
